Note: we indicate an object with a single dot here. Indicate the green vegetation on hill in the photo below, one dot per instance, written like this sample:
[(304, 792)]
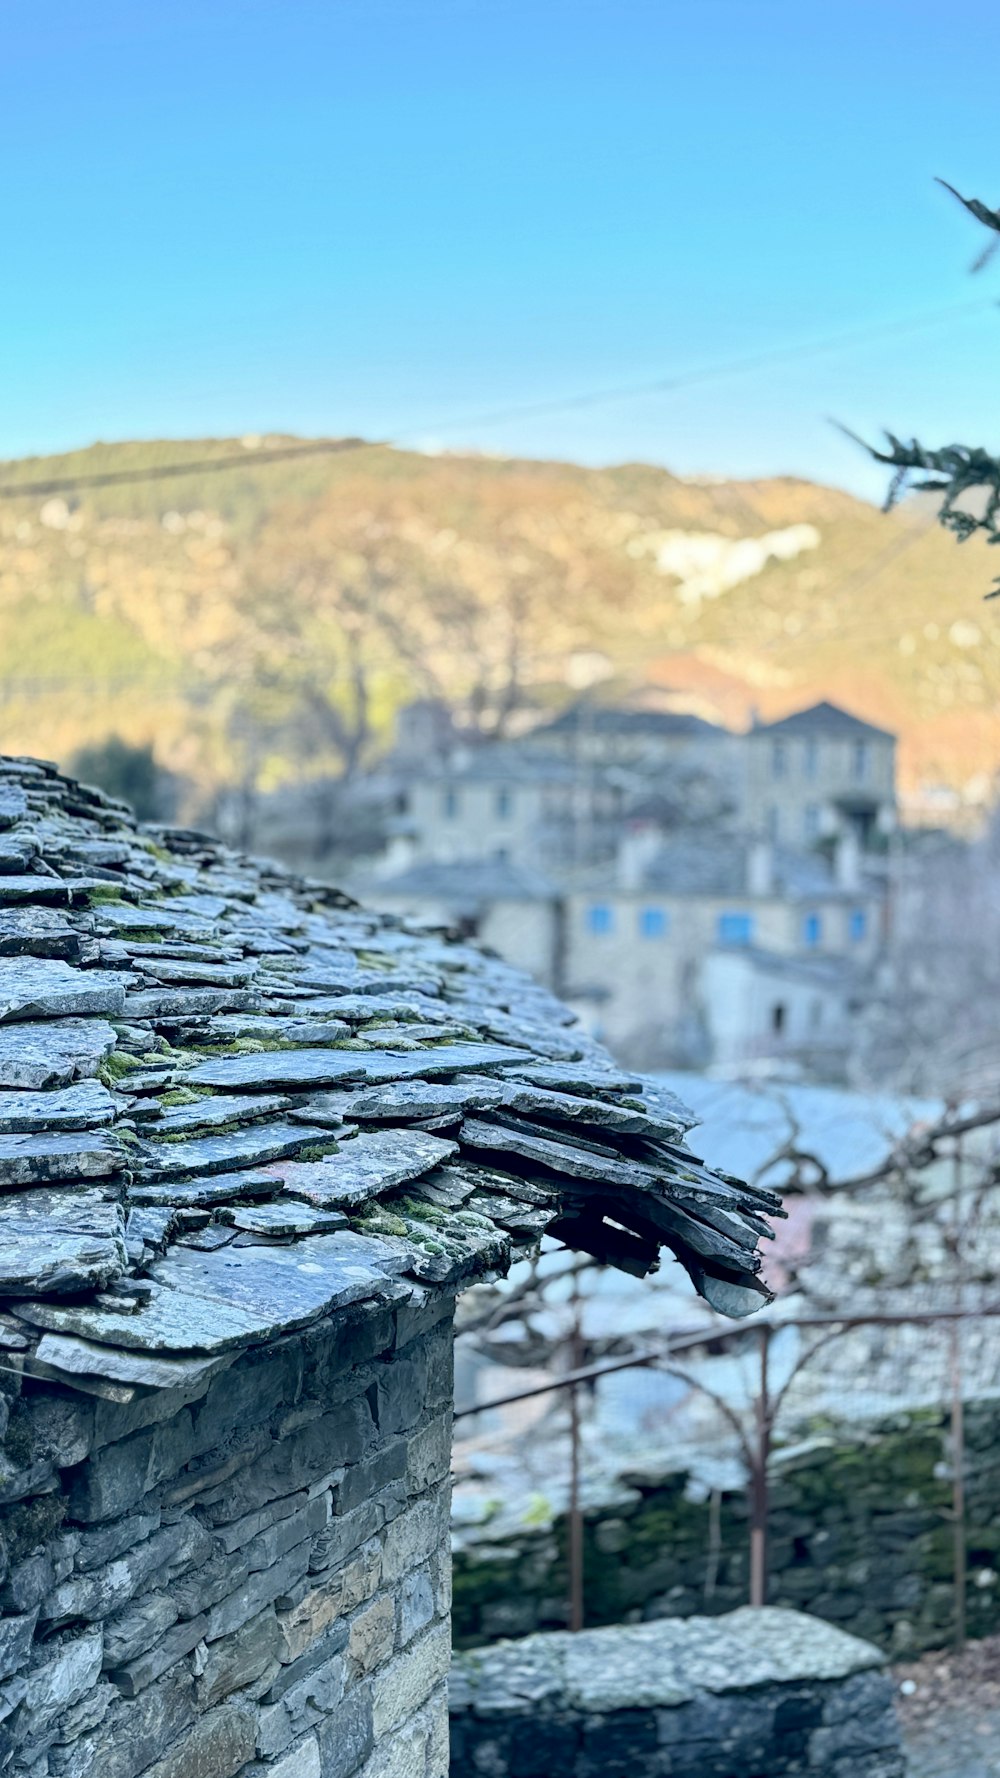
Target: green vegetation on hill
[(265, 622)]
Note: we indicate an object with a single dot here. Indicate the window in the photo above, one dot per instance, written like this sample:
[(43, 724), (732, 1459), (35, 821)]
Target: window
[(735, 929), (778, 1019), (779, 759), (504, 804), (774, 824), (860, 761), (857, 925), (810, 821), (600, 919), (449, 804), (810, 759), (812, 929), (653, 922)]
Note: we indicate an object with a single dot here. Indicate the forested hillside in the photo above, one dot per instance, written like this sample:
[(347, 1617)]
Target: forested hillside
[(266, 621)]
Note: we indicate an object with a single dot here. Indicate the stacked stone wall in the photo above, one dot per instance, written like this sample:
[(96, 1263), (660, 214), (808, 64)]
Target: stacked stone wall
[(860, 1533), (247, 1577), (754, 1695)]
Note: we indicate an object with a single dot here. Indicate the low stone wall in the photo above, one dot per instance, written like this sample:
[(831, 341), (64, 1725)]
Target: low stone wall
[(764, 1694), (243, 1576), (860, 1534)]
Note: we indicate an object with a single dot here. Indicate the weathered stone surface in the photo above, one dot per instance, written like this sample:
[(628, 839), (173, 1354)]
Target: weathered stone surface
[(45, 988), (281, 1219), (215, 1110), (15, 1642), (131, 1631), (240, 1659), (215, 1303), (216, 1747), (86, 1106), (677, 1698), (59, 1240), (63, 1680), (35, 1057), (39, 1156), (366, 1166), (80, 1358), (159, 1658), (410, 1680), (248, 1146), (37, 932), (302, 1069)]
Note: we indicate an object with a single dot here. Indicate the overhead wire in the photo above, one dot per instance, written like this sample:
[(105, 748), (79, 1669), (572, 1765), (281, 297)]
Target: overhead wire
[(251, 456)]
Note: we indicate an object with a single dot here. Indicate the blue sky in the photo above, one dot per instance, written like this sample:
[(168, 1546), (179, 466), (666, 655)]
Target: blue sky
[(395, 217)]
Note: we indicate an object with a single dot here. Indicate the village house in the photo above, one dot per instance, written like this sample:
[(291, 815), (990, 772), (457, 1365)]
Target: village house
[(253, 1140), (680, 935), (818, 774)]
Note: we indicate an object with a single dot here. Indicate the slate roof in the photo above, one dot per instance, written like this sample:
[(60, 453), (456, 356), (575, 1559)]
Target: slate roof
[(586, 719), (232, 1101), (718, 864), (823, 720), (469, 884)]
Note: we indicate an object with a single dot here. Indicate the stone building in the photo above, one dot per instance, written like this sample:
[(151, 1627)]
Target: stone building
[(253, 1140), (818, 774)]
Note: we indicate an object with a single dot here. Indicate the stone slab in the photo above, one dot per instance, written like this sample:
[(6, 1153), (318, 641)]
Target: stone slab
[(366, 1166), (36, 1057)]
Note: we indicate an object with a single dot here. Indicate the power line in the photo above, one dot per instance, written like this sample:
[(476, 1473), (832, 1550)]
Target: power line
[(498, 416)]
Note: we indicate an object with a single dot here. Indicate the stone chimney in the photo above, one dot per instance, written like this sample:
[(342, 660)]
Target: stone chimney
[(637, 848), (847, 860), (760, 868)]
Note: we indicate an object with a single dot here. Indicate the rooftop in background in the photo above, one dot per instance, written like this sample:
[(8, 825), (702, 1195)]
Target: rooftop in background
[(466, 885), (588, 719), (822, 719)]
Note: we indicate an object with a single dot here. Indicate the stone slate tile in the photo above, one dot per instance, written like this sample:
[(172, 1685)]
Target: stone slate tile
[(36, 1056), (247, 1146), (13, 804), (284, 1218), (211, 1303), (87, 1106), (29, 887), (213, 1110), (205, 974), (46, 988), (36, 1157), (77, 1358), (60, 1241), (302, 1069), (280, 1028), (204, 1194), (165, 1004), (366, 1166), (18, 850), (37, 932)]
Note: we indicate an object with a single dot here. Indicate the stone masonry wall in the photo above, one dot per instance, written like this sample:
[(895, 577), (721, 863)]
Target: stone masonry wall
[(766, 1694), (859, 1534), (247, 1577)]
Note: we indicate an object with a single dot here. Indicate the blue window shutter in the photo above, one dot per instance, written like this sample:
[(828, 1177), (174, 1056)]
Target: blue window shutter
[(600, 918), (653, 922), (735, 929)]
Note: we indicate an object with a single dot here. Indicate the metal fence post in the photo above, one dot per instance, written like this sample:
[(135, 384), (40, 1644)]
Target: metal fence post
[(575, 1516), (758, 1477)]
